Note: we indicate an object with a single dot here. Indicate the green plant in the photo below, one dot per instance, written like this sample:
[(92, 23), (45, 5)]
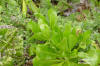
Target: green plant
[(64, 44)]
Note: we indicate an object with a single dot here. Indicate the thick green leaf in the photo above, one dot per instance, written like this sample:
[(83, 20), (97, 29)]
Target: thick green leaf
[(46, 55), (52, 18), (33, 26), (46, 52), (67, 30), (43, 26), (86, 35), (41, 62), (56, 37), (58, 64), (72, 41), (63, 45), (40, 16), (41, 36), (85, 39)]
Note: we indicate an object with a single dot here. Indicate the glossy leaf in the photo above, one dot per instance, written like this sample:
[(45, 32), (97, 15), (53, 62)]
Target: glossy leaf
[(52, 18)]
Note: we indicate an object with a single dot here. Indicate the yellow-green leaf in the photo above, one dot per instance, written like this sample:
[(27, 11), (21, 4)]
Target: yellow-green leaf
[(24, 9)]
